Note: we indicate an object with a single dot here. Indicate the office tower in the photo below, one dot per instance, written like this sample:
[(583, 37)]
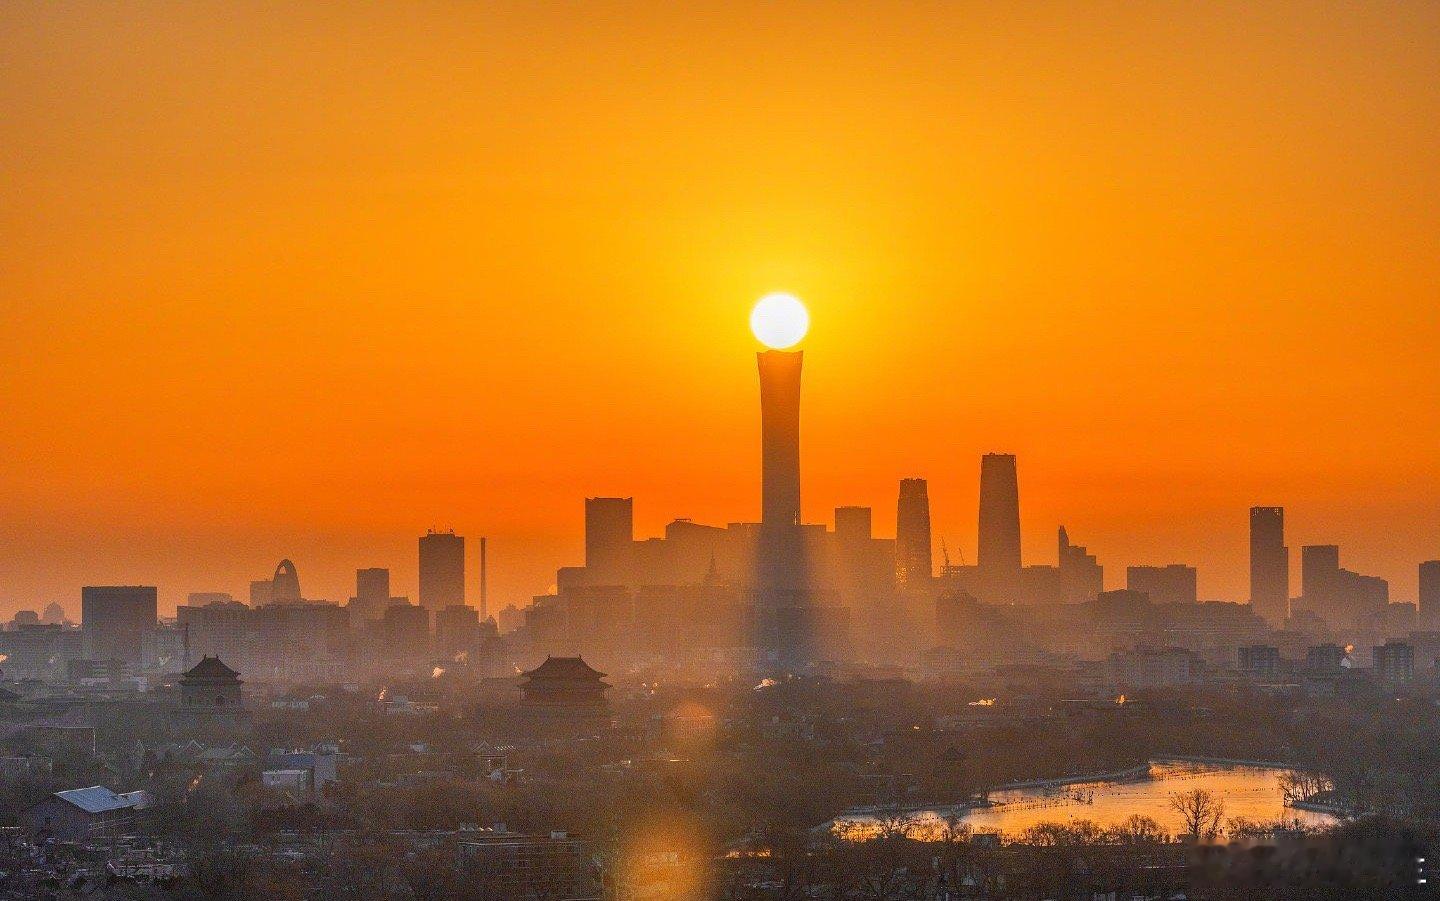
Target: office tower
[(372, 592), (853, 524), (1082, 578), (116, 619), (999, 546), (1173, 584), (1260, 662), (484, 581), (1269, 565), (406, 631), (913, 564), (780, 437), (1429, 609), (1319, 570), (260, 592), (285, 586), (442, 570), (457, 631), (609, 534), (1324, 659), (54, 614)]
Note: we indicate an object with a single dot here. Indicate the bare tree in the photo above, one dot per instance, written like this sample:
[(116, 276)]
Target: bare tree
[(1200, 811)]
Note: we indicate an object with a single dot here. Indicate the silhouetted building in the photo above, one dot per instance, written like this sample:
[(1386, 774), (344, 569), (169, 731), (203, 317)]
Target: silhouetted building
[(211, 684), (609, 535), (914, 565), (853, 524), (116, 620), (442, 570), (1324, 659), (457, 630), (224, 629), (1429, 608), (1260, 662), (54, 614), (564, 682), (406, 630), (780, 436), (999, 543), (285, 584), (261, 591), (1173, 584), (82, 814), (1082, 578), (1338, 596), (372, 592), (1269, 564), (1394, 663)]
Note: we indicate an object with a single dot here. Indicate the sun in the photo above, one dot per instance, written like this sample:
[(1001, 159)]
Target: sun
[(779, 320)]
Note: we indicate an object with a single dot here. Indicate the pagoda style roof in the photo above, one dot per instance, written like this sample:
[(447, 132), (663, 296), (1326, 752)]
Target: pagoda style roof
[(211, 668), (565, 668)]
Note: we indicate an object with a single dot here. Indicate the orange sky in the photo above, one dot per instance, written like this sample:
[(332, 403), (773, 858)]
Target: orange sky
[(304, 282)]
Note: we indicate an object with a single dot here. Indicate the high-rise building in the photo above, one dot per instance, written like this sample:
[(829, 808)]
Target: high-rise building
[(1395, 663), (1173, 584), (442, 570), (372, 592), (999, 545), (1429, 610), (914, 565), (853, 524), (1269, 565), (609, 535), (260, 592), (780, 437), (1338, 596), (1082, 578), (457, 631), (1319, 570), (116, 619), (406, 632), (285, 585)]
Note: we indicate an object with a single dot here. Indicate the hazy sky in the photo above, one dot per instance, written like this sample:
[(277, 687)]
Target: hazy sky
[(302, 280)]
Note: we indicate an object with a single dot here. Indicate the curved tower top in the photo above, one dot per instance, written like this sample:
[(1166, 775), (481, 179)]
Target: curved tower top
[(285, 586)]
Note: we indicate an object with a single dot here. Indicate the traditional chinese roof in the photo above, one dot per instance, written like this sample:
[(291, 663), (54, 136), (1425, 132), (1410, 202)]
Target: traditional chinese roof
[(565, 668), (211, 668)]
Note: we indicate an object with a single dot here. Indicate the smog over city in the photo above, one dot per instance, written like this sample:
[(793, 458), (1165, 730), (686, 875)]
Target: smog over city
[(738, 451)]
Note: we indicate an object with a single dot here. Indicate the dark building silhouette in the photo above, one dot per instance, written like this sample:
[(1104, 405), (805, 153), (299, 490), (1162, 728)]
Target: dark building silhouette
[(1394, 663), (780, 437), (1260, 662), (1429, 609), (1082, 578), (853, 524), (285, 585), (210, 683), (260, 591), (1173, 584), (457, 630), (999, 545), (564, 683), (116, 619), (609, 535), (372, 592), (913, 563), (442, 570), (405, 630), (1269, 565), (1338, 596)]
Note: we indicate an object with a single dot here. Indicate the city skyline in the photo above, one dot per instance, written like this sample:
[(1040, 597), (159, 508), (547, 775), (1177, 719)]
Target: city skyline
[(249, 322)]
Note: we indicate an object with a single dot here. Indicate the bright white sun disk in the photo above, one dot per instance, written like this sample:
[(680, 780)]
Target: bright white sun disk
[(779, 321)]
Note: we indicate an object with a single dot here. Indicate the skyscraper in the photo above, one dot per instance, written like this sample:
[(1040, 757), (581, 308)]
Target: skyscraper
[(1172, 584), (1429, 608), (609, 534), (914, 565), (780, 437), (116, 619), (853, 524), (285, 584), (999, 544), (442, 570), (1269, 565), (372, 592)]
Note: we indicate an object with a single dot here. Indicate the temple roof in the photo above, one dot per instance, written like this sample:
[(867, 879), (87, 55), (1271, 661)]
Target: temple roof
[(569, 668), (210, 668)]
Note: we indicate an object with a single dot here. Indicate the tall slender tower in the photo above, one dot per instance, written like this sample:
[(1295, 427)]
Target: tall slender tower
[(913, 563), (999, 550), (1269, 565), (780, 436)]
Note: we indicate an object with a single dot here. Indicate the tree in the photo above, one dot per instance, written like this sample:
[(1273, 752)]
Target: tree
[(1200, 811), (1138, 830)]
